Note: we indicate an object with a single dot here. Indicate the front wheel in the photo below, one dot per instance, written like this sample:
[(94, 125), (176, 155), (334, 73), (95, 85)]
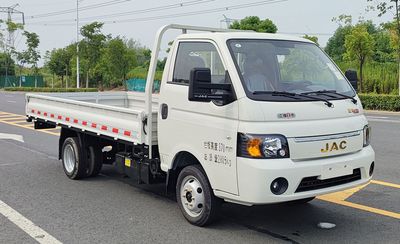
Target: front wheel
[(195, 197)]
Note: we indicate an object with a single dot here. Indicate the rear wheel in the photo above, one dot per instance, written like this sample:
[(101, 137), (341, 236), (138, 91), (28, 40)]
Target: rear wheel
[(74, 168), (195, 197), (94, 161)]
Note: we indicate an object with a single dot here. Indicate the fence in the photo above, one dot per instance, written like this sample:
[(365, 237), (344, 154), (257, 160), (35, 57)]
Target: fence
[(140, 85), (21, 81)]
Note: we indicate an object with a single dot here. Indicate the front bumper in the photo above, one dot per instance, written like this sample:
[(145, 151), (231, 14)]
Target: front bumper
[(256, 176)]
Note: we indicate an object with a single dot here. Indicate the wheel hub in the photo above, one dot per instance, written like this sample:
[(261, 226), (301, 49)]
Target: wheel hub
[(192, 196), (69, 158)]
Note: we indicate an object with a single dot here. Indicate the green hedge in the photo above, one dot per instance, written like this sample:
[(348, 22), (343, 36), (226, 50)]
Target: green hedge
[(48, 89), (141, 73), (380, 102)]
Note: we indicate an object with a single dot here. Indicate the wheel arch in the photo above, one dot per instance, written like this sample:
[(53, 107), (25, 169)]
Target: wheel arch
[(180, 161)]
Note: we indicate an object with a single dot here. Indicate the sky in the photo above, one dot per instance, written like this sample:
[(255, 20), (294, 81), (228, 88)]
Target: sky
[(55, 20)]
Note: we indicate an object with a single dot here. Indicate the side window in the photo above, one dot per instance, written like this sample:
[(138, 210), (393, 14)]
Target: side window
[(197, 55)]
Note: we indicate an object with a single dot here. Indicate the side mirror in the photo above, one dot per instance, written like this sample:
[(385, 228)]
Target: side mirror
[(202, 90), (351, 75)]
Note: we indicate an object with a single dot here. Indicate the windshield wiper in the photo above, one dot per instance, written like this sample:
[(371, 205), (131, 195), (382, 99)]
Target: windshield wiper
[(293, 95), (277, 93), (325, 92)]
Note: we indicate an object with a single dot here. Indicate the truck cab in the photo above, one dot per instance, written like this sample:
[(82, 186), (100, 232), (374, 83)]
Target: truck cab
[(270, 118)]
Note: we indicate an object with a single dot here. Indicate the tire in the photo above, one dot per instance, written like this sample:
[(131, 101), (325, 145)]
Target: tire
[(302, 201), (94, 161), (73, 166), (195, 197)]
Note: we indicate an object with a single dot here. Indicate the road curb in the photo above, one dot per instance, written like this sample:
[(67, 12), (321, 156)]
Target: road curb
[(381, 112)]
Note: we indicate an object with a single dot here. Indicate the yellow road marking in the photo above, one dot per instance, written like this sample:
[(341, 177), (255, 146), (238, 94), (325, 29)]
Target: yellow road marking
[(8, 115), (12, 118), (362, 207), (30, 127), (342, 195), (21, 121), (340, 198), (385, 183)]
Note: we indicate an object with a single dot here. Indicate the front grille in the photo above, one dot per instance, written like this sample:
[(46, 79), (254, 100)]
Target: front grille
[(313, 183)]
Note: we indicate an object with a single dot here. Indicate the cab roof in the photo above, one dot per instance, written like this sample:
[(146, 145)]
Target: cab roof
[(224, 36)]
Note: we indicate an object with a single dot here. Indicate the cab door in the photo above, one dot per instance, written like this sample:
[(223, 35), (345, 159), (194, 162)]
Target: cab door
[(207, 130)]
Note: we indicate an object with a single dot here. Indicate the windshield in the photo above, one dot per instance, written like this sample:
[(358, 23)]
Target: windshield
[(270, 67)]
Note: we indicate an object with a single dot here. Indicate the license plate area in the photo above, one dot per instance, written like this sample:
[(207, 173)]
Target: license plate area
[(335, 170)]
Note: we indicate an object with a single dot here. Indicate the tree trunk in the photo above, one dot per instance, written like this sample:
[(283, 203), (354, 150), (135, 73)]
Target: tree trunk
[(399, 75), (361, 74), (398, 34), (87, 79), (66, 77), (62, 81)]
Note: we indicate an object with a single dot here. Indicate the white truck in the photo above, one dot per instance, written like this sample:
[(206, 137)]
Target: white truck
[(242, 117)]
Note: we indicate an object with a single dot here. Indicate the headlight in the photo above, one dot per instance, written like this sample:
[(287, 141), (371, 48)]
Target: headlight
[(366, 135), (262, 146)]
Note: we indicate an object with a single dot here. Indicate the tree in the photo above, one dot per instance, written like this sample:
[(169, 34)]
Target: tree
[(384, 48), (335, 46), (383, 8), (8, 47), (311, 38), (91, 45), (254, 23), (22, 59), (2, 40), (359, 46), (6, 63), (32, 43), (118, 60), (59, 62)]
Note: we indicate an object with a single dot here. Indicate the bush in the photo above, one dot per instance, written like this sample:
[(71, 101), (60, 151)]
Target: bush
[(141, 73), (380, 102), (379, 78), (48, 89)]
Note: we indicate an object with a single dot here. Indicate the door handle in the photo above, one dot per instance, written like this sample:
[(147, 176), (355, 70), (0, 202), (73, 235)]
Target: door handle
[(164, 111)]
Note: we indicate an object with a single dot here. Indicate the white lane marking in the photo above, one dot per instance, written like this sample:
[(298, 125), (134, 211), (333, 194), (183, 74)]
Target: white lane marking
[(26, 225), (9, 95), (11, 164), (4, 136), (377, 117), (385, 120), (12, 101)]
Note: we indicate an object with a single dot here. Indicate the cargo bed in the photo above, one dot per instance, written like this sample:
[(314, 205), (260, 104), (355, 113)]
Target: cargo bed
[(118, 115)]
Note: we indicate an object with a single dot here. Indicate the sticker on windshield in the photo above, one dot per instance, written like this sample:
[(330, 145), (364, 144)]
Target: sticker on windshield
[(336, 72), (238, 45)]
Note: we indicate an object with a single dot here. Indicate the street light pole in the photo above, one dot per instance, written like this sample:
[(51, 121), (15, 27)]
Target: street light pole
[(77, 43)]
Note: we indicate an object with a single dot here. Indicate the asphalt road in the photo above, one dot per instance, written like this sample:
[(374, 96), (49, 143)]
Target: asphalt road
[(110, 209)]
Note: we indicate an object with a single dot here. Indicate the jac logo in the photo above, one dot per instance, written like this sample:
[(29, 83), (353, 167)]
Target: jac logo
[(334, 147)]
